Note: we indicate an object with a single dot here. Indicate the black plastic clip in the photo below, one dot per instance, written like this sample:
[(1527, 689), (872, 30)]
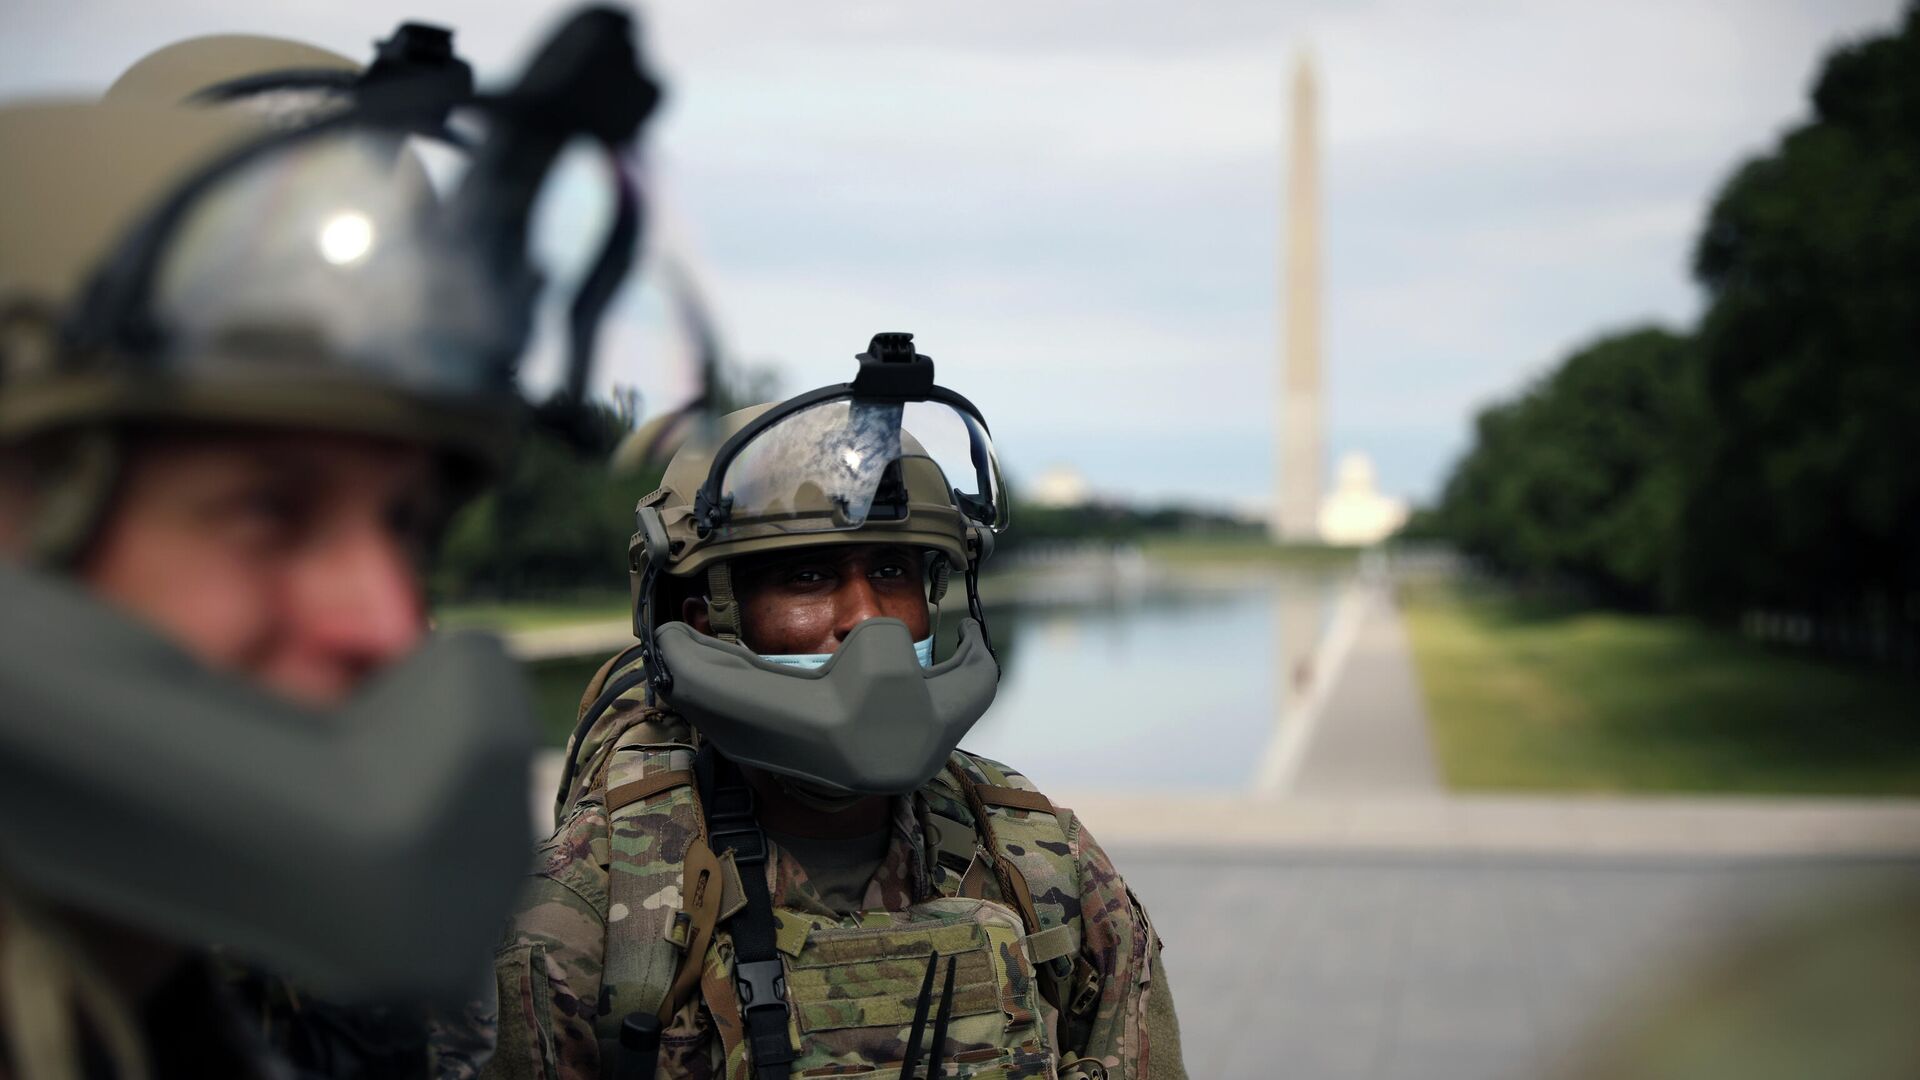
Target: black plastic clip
[(761, 983)]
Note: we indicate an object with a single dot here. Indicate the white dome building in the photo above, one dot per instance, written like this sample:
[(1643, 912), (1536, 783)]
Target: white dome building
[(1355, 514), (1061, 486)]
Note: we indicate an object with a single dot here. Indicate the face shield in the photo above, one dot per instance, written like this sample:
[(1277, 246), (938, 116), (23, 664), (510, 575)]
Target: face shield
[(835, 464), (323, 259)]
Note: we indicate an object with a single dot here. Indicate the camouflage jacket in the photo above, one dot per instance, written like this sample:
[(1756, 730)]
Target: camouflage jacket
[(555, 1005)]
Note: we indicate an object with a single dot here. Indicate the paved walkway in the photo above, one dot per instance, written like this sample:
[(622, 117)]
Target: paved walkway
[(594, 639), (1368, 734), (1337, 966)]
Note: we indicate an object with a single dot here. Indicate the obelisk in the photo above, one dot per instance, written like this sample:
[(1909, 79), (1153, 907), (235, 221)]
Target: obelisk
[(1298, 448)]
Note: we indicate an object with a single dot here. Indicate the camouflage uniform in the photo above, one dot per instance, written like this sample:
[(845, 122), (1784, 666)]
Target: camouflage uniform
[(552, 966)]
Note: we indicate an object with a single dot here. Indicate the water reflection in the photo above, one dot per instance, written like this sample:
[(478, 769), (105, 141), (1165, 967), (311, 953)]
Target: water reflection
[(1127, 679), (1178, 684)]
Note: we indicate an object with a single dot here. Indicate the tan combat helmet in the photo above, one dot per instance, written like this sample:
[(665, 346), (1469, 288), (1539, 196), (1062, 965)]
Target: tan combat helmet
[(928, 518), (221, 67)]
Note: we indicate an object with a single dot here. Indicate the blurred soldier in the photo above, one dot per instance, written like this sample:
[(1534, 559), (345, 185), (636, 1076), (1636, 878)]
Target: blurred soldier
[(250, 361), (770, 852)]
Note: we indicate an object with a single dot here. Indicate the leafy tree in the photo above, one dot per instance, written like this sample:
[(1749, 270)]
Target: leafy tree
[(1577, 480), (1804, 491), (557, 523)]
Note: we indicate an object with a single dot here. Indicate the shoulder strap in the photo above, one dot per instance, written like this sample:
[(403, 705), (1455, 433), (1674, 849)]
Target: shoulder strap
[(759, 978), (1013, 884), (1031, 842)]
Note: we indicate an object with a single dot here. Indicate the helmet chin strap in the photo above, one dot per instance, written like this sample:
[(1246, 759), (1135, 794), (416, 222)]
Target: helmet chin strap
[(73, 500), (723, 609), (939, 572)]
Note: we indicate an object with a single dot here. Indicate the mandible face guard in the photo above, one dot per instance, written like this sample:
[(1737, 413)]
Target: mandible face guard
[(365, 852), (870, 721)]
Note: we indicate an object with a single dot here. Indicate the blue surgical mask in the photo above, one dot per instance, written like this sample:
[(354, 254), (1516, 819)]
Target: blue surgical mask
[(922, 649)]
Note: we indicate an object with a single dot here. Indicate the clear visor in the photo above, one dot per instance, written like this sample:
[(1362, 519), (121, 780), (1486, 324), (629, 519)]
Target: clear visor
[(842, 463), (338, 253)]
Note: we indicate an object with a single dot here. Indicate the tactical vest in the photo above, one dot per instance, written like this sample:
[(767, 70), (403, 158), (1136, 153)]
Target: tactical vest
[(1000, 859)]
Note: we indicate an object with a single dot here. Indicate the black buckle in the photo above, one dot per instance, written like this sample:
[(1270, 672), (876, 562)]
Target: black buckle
[(761, 984), (747, 842)]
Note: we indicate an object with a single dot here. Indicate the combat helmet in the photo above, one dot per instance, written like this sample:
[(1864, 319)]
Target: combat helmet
[(889, 457), (321, 251)]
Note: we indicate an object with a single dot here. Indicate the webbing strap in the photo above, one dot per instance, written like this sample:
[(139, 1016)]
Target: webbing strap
[(1051, 944), (759, 977), (700, 889), (1013, 884), (723, 611), (646, 786), (1014, 798), (937, 578)]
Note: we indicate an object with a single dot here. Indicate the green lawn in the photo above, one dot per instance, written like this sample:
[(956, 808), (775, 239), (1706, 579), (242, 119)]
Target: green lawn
[(1534, 696), (530, 615)]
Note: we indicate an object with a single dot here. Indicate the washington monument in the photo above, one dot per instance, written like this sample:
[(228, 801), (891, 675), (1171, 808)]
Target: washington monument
[(1298, 449)]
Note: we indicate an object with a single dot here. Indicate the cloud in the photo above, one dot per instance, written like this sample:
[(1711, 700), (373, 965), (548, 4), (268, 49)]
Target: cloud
[(1075, 204)]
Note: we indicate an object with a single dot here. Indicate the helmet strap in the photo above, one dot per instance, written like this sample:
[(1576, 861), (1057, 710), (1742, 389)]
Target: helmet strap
[(73, 499), (723, 611), (939, 573), (937, 576)]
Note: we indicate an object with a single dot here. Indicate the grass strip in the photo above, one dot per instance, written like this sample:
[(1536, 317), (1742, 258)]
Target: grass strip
[(1538, 696)]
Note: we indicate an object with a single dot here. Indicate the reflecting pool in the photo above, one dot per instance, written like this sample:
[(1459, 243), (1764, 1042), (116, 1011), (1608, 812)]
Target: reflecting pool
[(1119, 676), (1180, 683)]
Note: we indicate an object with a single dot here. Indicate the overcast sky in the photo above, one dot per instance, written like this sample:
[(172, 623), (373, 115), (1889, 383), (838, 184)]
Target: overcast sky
[(1074, 205)]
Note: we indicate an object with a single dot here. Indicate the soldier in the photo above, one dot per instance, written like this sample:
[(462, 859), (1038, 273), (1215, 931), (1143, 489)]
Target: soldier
[(250, 361), (769, 849)]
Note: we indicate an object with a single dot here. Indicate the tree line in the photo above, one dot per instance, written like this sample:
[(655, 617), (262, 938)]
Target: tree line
[(1766, 462)]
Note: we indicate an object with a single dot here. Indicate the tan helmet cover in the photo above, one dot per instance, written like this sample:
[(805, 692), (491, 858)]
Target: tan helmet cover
[(931, 521), (175, 74)]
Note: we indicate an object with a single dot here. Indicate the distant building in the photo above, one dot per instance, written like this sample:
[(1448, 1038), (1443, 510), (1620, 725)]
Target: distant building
[(1356, 514), (1061, 486)]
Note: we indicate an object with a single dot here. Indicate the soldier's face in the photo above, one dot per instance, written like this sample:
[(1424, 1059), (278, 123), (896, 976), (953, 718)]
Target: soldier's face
[(292, 559), (808, 601)]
